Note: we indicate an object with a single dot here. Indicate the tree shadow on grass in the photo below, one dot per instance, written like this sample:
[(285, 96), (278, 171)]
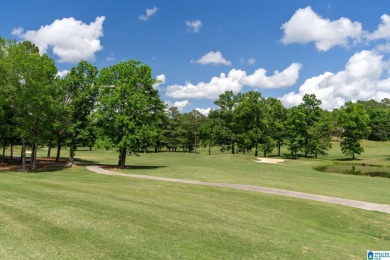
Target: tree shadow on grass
[(348, 160), (43, 165), (144, 167)]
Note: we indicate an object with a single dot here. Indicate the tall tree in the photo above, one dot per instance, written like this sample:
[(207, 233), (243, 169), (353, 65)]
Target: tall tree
[(80, 91), (34, 78), (249, 121), (173, 131), (191, 123), (295, 130), (276, 117), (224, 121), (354, 120), (320, 135), (128, 107), (310, 107)]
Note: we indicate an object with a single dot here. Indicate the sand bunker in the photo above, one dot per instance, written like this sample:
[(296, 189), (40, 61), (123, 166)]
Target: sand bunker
[(269, 160)]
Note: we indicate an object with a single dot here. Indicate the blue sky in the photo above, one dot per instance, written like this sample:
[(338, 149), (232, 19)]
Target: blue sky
[(338, 50)]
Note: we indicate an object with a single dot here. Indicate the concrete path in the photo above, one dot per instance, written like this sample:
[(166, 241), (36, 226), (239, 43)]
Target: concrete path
[(345, 202)]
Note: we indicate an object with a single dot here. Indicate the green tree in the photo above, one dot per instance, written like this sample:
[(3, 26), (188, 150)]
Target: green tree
[(173, 131), (224, 122), (310, 107), (191, 123), (250, 122), (34, 79), (295, 130), (320, 135), (80, 92), (128, 107), (354, 120)]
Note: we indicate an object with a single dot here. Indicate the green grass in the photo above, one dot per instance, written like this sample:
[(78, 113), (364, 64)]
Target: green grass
[(77, 214), (73, 213), (296, 175)]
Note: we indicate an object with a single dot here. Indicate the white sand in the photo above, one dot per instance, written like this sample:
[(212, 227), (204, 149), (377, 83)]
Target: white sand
[(269, 160)]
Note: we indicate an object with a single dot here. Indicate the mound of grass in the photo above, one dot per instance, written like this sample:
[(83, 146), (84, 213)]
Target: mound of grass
[(73, 213)]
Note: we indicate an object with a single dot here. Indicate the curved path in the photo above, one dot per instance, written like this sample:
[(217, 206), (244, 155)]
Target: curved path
[(345, 202)]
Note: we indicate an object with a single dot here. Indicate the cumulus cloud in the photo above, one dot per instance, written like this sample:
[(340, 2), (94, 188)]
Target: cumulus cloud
[(148, 14), (210, 90), (250, 61), (383, 31), (179, 104), (111, 57), (360, 80), (214, 58), (70, 39), (234, 81), (62, 73), (307, 26), (204, 111), (161, 79), (259, 79), (193, 26)]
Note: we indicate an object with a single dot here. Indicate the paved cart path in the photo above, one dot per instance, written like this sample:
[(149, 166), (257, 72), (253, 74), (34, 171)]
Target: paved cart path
[(345, 202)]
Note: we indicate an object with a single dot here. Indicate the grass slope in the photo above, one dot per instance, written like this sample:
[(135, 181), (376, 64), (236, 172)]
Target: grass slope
[(77, 214), (296, 175)]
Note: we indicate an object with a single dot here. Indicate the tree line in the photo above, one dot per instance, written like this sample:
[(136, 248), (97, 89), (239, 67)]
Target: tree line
[(117, 107), (114, 108)]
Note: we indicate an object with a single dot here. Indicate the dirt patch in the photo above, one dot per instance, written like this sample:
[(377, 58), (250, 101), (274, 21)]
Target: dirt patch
[(42, 163), (270, 160)]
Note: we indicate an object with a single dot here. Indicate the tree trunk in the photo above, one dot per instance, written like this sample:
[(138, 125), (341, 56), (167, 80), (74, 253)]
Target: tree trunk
[(279, 145), (90, 147), (122, 158), (233, 148), (49, 149), (58, 149), (34, 157), (265, 153), (71, 152), (195, 143), (23, 155), (2, 157), (12, 153), (353, 156), (256, 152), (209, 148)]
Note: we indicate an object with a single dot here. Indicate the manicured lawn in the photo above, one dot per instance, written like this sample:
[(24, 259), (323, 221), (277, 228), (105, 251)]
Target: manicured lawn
[(74, 213), (297, 175), (77, 214)]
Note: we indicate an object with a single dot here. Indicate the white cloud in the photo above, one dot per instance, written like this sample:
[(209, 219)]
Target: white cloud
[(259, 79), (148, 13), (250, 61), (161, 79), (360, 80), (306, 26), (193, 26), (204, 111), (235, 81), (70, 39), (383, 31), (385, 48), (214, 58), (110, 57), (210, 90), (179, 104), (62, 73)]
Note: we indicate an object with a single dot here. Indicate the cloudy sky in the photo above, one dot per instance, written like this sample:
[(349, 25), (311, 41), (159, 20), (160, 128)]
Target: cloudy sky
[(338, 50)]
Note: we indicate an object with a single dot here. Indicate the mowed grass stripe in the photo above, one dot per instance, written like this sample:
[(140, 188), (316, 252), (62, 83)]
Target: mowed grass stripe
[(77, 214)]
